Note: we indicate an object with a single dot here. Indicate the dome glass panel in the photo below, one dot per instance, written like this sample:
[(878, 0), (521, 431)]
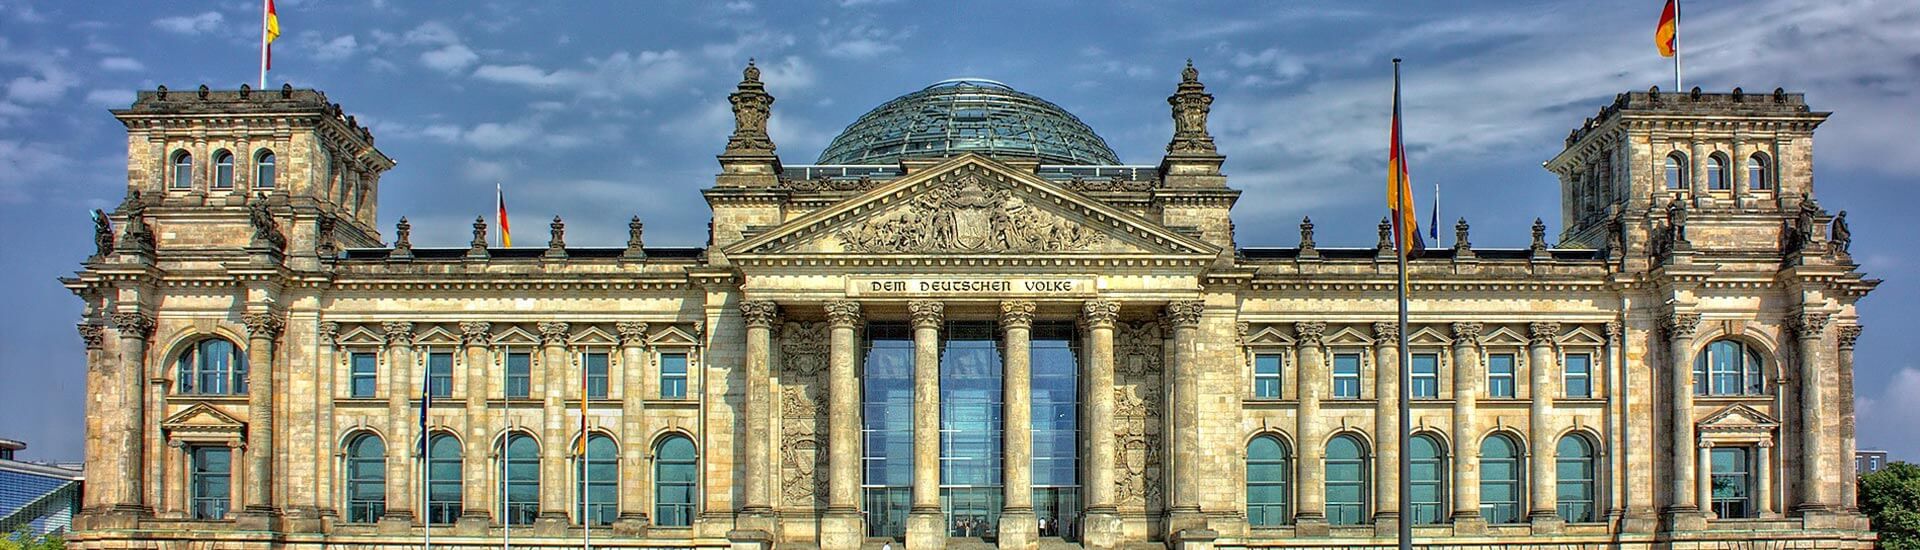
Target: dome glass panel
[(968, 115)]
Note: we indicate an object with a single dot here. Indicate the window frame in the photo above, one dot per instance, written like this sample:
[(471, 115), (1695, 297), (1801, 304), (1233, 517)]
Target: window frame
[(605, 378), (192, 372), (604, 512), (353, 501), (1354, 377), (223, 165), (668, 382), (440, 381), (1674, 171), (441, 511), (1363, 466), (1589, 484), (1745, 476), (1717, 177), (1440, 483), (266, 169), (676, 514), (1749, 374), (524, 378), (520, 512), (1518, 504), (1760, 177), (371, 376), (1511, 376), (1567, 374), (180, 170), (209, 505), (1276, 513), (1275, 380), (1415, 377)]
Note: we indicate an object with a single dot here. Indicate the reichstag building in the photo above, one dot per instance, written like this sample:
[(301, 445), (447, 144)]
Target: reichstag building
[(967, 323)]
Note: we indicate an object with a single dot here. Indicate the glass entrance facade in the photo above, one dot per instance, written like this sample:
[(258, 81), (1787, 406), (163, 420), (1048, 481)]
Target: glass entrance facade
[(970, 428), (887, 430), (1056, 429)]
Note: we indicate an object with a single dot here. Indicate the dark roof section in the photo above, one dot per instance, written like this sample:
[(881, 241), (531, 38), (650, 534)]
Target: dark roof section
[(1558, 254), (968, 115), (526, 253), (1695, 102)]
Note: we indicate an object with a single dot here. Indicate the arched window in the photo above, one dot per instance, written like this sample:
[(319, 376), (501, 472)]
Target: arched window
[(443, 479), (366, 479), (264, 165), (1717, 173), (182, 170), (1501, 486), (222, 169), (598, 473), (1574, 479), (1676, 171), (1759, 178), (520, 479), (1728, 367), (1268, 492), (212, 366), (1429, 479), (675, 474), (1346, 481)]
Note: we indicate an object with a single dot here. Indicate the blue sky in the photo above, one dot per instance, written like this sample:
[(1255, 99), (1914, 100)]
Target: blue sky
[(598, 111)]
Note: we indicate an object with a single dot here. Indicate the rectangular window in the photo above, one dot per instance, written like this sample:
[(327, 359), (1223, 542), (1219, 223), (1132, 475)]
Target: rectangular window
[(1578, 378), (1266, 376), (1425, 376), (363, 378), (440, 374), (1346, 376), (595, 364), (519, 375), (673, 376), (1500, 376), (1732, 482), (211, 483)]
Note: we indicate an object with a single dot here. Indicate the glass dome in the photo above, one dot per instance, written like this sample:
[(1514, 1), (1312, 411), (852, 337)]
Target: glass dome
[(968, 115)]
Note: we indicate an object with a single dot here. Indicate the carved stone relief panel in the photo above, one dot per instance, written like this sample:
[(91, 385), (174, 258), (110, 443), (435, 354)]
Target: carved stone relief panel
[(1137, 407), (803, 409), (970, 212)]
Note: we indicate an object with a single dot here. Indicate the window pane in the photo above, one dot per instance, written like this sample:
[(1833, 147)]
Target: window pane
[(673, 375), (363, 377), (596, 373), (264, 178), (1346, 376), (1425, 376), (1500, 376), (519, 375), (223, 170), (1578, 379), (1266, 376), (440, 374)]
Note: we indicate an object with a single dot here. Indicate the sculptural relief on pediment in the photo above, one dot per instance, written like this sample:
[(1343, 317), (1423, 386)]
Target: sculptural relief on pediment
[(969, 213)]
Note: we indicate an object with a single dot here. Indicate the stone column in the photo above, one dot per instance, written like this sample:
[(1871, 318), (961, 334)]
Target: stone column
[(926, 527), (125, 416), (93, 335), (1697, 173), (1543, 426), (1102, 528), (1679, 328), (1466, 432), (1310, 385), (633, 430), (758, 509), (1183, 511), (1763, 481), (1618, 449), (399, 335), (1703, 479), (263, 328), (1386, 424), (554, 443), (842, 528), (1849, 493), (474, 337), (1817, 455), (1018, 527)]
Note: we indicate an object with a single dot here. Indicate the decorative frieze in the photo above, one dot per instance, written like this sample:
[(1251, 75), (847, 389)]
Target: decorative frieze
[(969, 213)]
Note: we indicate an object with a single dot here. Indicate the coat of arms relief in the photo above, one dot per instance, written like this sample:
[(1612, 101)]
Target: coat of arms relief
[(803, 453), (969, 212)]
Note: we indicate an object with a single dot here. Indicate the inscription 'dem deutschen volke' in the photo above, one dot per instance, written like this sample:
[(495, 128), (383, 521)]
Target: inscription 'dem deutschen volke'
[(967, 286)]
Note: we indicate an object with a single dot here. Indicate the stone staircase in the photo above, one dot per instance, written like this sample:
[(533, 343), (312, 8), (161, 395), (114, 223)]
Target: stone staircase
[(974, 543)]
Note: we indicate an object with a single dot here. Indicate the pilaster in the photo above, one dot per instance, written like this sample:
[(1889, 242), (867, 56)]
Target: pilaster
[(263, 330)]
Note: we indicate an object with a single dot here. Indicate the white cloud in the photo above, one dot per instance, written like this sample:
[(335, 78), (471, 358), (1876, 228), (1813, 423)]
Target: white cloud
[(1886, 418), (110, 98), (447, 53), (1272, 65), (792, 73), (451, 58), (122, 64), (484, 170), (738, 6), (203, 23), (340, 47), (524, 75), (49, 84), (864, 41), (24, 164), (432, 33), (620, 74)]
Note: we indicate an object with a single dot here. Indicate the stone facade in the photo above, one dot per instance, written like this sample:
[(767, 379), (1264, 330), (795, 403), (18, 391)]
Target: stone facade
[(340, 332)]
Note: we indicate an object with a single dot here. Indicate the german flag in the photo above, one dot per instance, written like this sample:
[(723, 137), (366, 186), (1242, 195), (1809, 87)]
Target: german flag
[(506, 233), (1667, 35), (1406, 221), (271, 32)]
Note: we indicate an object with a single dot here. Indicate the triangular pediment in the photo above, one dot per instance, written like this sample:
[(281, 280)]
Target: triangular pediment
[(360, 336), (516, 335), (1581, 336), (973, 206), (1427, 336), (594, 336), (1348, 336), (674, 336), (437, 335), (1738, 417), (1269, 335), (202, 418), (1503, 337)]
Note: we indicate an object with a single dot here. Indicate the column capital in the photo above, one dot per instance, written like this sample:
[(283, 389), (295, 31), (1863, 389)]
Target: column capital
[(1308, 333), (1613, 331), (1680, 326), (1016, 314), (631, 333), (398, 333), (1849, 333), (331, 331), (1544, 332), (1386, 334), (1185, 312), (134, 324), (927, 313), (843, 313), (1807, 324), (759, 313), (475, 333), (1467, 333), (93, 334), (1100, 313), (264, 325), (554, 333)]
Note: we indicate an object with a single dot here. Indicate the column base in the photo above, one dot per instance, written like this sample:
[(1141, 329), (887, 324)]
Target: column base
[(1546, 524), (1822, 517), (1683, 518), (1019, 529), (1638, 521), (472, 523), (749, 539), (926, 530), (1102, 530), (756, 519), (302, 519), (630, 524), (1184, 518), (1386, 524), (1192, 539), (550, 524), (1468, 522), (120, 516), (394, 522), (1310, 524), (842, 530)]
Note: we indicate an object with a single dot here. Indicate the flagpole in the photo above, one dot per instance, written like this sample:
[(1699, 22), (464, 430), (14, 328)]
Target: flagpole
[(1677, 86), (263, 43), (1406, 471)]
